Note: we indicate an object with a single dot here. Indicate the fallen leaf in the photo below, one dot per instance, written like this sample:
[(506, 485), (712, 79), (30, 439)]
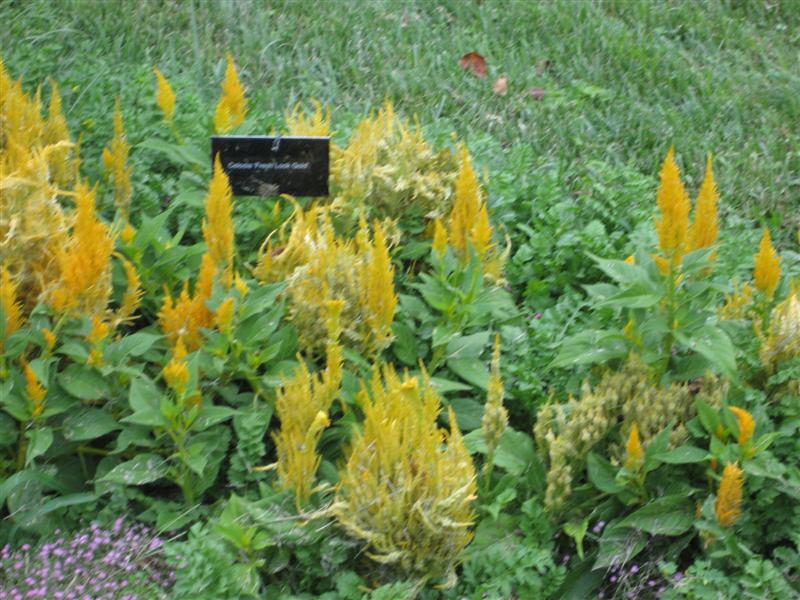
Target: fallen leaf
[(543, 65), (501, 86), (536, 93), (474, 62)]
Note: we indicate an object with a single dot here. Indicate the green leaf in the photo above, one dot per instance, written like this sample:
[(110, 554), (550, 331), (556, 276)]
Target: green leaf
[(621, 271), (668, 515), (27, 476), (27, 518), (144, 468), (135, 345), (469, 413), (707, 415), (8, 430), (405, 345), (88, 424), (211, 415), (591, 346), (577, 531), (84, 382), (602, 474), (683, 455), (444, 386), (39, 441), (618, 545), (144, 398), (515, 454), (472, 370), (468, 346), (715, 346)]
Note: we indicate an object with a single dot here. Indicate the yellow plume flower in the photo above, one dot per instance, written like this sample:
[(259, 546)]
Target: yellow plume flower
[(673, 201), (439, 238), (115, 160), (85, 263), (12, 310), (747, 424), (767, 272), (97, 335), (56, 132), (633, 447), (495, 415), (783, 339), (378, 280), (185, 318), (729, 497), (165, 96), (36, 392), (631, 260), (225, 313), (218, 229), (132, 296), (300, 123), (176, 373), (466, 207), (232, 107), (241, 286), (49, 338), (481, 233), (408, 487), (705, 228), (128, 234)]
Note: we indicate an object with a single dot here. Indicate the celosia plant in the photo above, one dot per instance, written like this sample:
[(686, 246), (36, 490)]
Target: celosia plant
[(408, 487), (729, 497), (767, 271), (782, 340), (165, 96), (232, 107), (388, 169), (115, 160), (300, 123)]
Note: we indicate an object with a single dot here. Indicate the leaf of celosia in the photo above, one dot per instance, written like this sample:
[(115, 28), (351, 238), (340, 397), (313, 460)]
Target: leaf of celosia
[(602, 474), (715, 346), (135, 344), (591, 346), (29, 518), (405, 345), (468, 346), (88, 424), (211, 415), (84, 383), (468, 413), (668, 515), (39, 440), (144, 400), (19, 480), (144, 468), (619, 545), (133, 435), (471, 370), (8, 428), (515, 454), (683, 455)]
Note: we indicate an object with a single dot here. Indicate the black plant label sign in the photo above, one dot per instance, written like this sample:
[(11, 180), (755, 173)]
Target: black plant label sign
[(268, 166)]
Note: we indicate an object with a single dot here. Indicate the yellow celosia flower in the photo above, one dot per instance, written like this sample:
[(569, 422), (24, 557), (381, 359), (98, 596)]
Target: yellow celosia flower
[(132, 296), (767, 272), (634, 455), (300, 123), (783, 338), (56, 131), (439, 238), (495, 415), (241, 287), (631, 260), (232, 107), (218, 223), (85, 263), (165, 96), (97, 335), (737, 303), (729, 497), (36, 392), (481, 233), (115, 160), (380, 297), (128, 233), (224, 315), (302, 405), (185, 318), (408, 487), (176, 373), (673, 201), (466, 207), (49, 338), (705, 228), (747, 424), (12, 310)]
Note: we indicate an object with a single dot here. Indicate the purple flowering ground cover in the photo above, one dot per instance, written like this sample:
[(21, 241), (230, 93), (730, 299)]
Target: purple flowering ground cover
[(122, 562)]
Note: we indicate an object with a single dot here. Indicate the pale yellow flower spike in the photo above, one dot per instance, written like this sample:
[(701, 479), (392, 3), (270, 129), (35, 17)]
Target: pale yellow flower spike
[(115, 160), (673, 201), (381, 296), (767, 272), (705, 227), (783, 338), (495, 415), (57, 132), (12, 309), (165, 96), (218, 228), (439, 238), (633, 447), (729, 497), (747, 425)]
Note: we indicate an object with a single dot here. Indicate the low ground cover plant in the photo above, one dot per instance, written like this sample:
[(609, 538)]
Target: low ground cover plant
[(323, 397)]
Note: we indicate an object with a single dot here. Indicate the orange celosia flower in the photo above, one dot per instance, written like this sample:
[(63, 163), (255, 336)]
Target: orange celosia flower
[(439, 238), (36, 391), (85, 264), (184, 318), (705, 228), (729, 497), (49, 338), (673, 201), (165, 96), (747, 424), (232, 107), (466, 206), (633, 447), (12, 309), (218, 225), (224, 315), (132, 297), (767, 272), (176, 373), (115, 160)]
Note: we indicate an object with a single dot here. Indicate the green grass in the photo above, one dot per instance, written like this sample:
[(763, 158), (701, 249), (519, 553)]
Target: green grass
[(626, 79)]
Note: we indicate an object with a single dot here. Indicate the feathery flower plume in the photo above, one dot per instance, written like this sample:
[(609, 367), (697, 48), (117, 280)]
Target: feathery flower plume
[(12, 309), (495, 415), (705, 228), (633, 448), (232, 107), (466, 207), (165, 96), (85, 262), (747, 424), (176, 373), (49, 338), (36, 391), (185, 318), (381, 299), (767, 272), (132, 296), (224, 315), (115, 160), (128, 234), (56, 134), (439, 238), (97, 335), (783, 339), (673, 201), (729, 497), (300, 123), (218, 229)]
